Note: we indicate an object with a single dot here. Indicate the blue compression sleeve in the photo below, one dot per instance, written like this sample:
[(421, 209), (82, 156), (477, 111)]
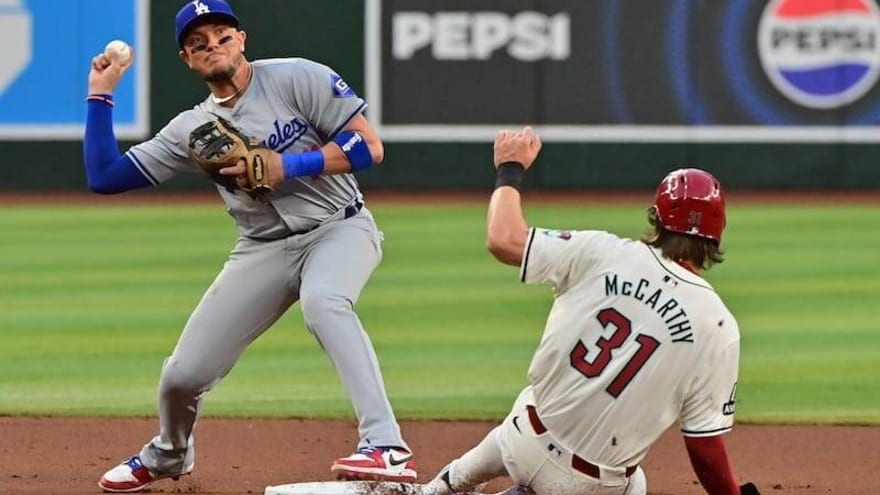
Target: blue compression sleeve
[(107, 171)]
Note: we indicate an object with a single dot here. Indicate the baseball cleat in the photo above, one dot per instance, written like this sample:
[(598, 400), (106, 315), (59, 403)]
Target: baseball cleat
[(131, 476), (377, 464)]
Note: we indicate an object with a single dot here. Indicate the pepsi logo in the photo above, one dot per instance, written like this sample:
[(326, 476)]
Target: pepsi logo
[(821, 54)]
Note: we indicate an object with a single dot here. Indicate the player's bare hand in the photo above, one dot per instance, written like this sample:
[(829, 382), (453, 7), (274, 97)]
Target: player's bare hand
[(106, 72), (239, 170), (521, 147)]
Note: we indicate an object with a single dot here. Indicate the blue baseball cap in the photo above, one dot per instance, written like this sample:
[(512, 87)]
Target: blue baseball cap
[(194, 11)]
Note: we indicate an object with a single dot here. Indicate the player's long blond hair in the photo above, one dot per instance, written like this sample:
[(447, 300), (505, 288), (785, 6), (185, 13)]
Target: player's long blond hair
[(700, 251)]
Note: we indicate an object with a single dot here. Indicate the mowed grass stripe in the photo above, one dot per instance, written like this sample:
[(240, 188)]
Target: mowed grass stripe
[(93, 298)]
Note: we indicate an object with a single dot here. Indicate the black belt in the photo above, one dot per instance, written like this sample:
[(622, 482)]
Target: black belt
[(577, 463), (350, 211)]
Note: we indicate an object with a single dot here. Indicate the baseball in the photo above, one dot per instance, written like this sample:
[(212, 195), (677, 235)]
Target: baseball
[(119, 50)]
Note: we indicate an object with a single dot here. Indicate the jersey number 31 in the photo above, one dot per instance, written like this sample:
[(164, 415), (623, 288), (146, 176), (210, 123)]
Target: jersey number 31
[(623, 329)]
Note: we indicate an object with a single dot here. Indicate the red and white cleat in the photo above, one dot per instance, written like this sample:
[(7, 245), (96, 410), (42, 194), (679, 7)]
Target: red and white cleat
[(132, 476), (377, 464)]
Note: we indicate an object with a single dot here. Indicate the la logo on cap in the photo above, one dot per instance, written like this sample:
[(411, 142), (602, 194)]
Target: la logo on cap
[(201, 8)]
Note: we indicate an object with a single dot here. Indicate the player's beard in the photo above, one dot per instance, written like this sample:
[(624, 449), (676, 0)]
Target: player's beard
[(223, 74)]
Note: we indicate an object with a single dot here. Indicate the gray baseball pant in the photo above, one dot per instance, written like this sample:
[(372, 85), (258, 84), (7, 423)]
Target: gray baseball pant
[(325, 270)]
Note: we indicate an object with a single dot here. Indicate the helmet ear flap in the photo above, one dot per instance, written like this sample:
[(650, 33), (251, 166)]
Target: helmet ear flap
[(654, 216)]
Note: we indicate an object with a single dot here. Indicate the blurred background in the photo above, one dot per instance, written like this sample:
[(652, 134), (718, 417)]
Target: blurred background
[(778, 97), (766, 95)]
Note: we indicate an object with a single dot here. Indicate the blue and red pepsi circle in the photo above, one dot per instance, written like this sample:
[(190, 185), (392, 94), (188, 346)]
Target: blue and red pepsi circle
[(821, 54)]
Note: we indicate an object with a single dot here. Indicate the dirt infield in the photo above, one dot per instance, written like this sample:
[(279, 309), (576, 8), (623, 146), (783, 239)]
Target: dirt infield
[(67, 455)]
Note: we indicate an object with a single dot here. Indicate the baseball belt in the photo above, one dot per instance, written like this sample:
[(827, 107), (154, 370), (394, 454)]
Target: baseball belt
[(577, 463), (350, 211)]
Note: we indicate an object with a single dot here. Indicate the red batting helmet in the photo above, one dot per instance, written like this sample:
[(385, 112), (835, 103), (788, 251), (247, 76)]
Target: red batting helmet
[(690, 201)]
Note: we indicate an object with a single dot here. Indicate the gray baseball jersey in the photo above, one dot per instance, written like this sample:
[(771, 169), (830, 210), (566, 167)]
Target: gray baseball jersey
[(633, 343), (291, 105), (311, 242)]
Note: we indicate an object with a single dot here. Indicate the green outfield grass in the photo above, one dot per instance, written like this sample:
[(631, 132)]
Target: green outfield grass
[(93, 298)]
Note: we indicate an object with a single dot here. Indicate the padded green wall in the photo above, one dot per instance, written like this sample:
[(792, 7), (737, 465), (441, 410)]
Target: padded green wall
[(332, 33)]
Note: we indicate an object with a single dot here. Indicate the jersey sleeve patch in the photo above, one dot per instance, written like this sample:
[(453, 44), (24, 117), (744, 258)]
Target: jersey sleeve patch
[(729, 407), (709, 407), (341, 89)]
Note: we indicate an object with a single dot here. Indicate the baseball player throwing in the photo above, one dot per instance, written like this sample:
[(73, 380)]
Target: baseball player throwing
[(305, 234), (636, 339)]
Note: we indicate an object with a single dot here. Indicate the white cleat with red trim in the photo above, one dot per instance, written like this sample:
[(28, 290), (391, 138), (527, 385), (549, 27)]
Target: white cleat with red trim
[(131, 476)]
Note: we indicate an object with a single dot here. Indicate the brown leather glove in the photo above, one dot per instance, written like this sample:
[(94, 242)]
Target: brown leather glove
[(215, 145)]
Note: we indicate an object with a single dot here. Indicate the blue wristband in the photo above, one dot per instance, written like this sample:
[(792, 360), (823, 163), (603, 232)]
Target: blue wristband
[(355, 148), (303, 164)]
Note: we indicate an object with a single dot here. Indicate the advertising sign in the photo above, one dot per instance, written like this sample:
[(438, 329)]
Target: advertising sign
[(46, 54), (625, 70)]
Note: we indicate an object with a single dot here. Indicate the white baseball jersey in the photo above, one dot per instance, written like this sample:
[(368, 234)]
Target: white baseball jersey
[(633, 343)]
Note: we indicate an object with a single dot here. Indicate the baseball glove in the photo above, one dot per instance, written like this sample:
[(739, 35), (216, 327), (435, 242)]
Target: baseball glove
[(216, 145)]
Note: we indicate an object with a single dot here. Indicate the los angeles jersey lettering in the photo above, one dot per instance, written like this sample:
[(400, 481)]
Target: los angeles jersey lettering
[(292, 105), (633, 343)]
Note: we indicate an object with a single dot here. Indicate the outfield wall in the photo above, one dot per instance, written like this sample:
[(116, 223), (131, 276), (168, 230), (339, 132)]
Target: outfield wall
[(439, 96)]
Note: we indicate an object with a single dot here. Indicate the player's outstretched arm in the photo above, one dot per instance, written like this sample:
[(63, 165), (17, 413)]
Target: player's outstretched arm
[(711, 464), (107, 171), (506, 227)]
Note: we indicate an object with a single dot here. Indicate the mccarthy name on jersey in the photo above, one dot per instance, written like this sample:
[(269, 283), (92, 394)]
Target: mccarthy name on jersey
[(672, 313)]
